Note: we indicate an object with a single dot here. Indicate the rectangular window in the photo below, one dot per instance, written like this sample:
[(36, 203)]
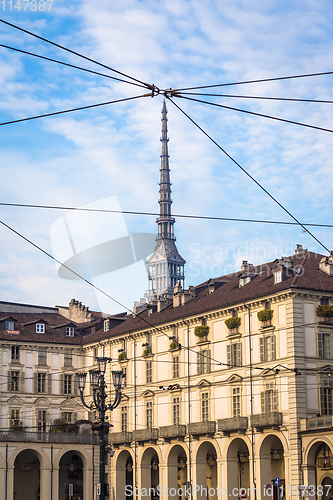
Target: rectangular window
[(41, 382), (67, 416), (204, 361), (14, 381), (324, 345), (42, 357), (9, 325), (68, 358), (69, 331), (106, 325), (236, 402), (326, 401), (124, 419), (68, 384), (204, 407), (175, 367), (149, 376), (15, 418), (15, 353), (267, 348), (176, 411), (149, 414), (41, 421), (324, 301), (278, 277), (269, 398), (234, 354), (40, 328), (125, 374)]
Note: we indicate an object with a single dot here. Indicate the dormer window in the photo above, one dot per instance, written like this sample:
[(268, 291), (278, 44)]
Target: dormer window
[(278, 276), (9, 325), (244, 281), (69, 331), (40, 327), (106, 325)]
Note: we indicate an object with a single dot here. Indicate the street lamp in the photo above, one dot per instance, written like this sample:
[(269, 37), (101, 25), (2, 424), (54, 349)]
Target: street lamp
[(98, 385)]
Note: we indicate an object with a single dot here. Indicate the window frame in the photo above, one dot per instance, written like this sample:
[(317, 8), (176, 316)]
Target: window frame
[(68, 383), (324, 345), (278, 276), (70, 331), (176, 410), (124, 418), (236, 401), (149, 414), (9, 324), (204, 406), (40, 327), (15, 353), (149, 372)]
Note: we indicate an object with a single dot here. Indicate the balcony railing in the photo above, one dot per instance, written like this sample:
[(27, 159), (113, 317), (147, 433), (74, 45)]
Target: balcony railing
[(199, 428), (48, 437), (172, 431), (307, 424), (272, 419), (145, 435), (232, 424), (120, 437)]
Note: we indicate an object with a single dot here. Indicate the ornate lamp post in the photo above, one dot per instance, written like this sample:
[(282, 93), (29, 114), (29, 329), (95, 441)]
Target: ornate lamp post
[(98, 384)]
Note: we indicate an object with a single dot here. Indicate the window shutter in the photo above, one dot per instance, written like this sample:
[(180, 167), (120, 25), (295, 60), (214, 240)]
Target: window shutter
[(275, 400), (74, 417), (208, 360), (239, 354), (49, 383), (262, 349), (22, 382), (75, 387), (35, 382), (9, 380), (320, 345), (262, 402), (62, 383), (199, 368), (273, 348), (229, 355)]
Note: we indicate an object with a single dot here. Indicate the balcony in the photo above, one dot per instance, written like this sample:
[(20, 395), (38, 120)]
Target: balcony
[(120, 437), (201, 428), (145, 435), (172, 432), (262, 420), (48, 437), (227, 425), (313, 423)]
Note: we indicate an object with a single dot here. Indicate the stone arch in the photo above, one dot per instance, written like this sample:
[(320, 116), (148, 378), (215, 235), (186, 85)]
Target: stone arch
[(177, 466), (238, 454), (41, 455), (272, 449), (310, 452), (71, 467), (123, 476), (315, 473), (205, 460), (150, 474), (27, 476)]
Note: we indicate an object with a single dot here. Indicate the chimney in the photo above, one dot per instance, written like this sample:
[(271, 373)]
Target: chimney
[(245, 265), (177, 292), (299, 250), (326, 265), (139, 306), (163, 302)]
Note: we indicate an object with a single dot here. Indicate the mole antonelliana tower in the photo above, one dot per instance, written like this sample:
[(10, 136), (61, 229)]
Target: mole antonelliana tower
[(166, 265)]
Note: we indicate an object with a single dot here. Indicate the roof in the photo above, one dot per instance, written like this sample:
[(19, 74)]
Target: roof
[(303, 273)]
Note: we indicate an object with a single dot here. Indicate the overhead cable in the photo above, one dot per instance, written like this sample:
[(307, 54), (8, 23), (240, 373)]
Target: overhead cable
[(256, 114), (255, 81), (74, 109), (156, 214), (257, 97), (248, 174), (75, 53), (71, 65)]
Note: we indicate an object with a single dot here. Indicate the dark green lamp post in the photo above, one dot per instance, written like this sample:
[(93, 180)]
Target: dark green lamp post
[(97, 382)]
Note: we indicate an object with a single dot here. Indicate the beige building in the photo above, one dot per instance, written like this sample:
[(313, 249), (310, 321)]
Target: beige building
[(248, 401)]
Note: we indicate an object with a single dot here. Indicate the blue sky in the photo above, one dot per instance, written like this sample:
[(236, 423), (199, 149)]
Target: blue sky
[(82, 158)]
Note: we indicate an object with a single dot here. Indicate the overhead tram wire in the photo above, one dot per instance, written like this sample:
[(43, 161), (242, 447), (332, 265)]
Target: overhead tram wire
[(288, 99), (76, 53), (156, 214), (71, 65), (219, 363), (255, 114), (262, 80), (248, 174), (74, 109)]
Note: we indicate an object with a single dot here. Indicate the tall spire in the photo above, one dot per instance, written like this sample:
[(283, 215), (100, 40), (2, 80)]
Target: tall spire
[(166, 265), (165, 222)]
